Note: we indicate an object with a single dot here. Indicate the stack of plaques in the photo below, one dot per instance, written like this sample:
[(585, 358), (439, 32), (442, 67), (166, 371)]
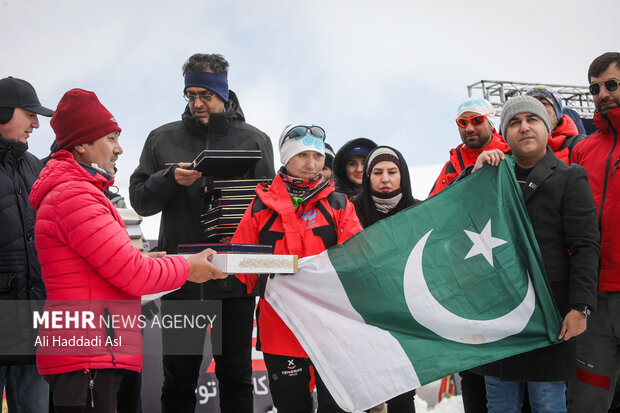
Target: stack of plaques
[(225, 203), (226, 248), (225, 163), (226, 196)]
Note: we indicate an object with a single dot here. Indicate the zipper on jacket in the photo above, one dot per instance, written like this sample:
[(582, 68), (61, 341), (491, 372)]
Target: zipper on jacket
[(311, 195), (607, 174), (91, 387)]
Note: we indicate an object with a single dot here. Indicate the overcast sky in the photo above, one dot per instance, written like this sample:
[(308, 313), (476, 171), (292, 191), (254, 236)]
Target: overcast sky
[(391, 71)]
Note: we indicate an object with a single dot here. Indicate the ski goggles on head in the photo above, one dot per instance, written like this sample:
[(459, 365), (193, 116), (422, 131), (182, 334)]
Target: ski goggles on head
[(475, 120), (611, 85), (309, 135)]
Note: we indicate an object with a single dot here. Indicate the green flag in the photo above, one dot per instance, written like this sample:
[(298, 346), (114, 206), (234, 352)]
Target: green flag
[(446, 285)]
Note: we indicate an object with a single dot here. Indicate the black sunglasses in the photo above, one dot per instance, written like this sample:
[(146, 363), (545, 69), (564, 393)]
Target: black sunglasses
[(611, 85), (302, 130)]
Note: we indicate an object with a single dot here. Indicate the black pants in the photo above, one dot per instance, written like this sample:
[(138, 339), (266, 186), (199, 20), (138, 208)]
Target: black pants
[(233, 368), (402, 403), (129, 394), (71, 392), (474, 392), (289, 383)]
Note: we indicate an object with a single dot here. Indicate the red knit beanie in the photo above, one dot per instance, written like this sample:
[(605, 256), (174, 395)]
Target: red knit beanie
[(81, 118)]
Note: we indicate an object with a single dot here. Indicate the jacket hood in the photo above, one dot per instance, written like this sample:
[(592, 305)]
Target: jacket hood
[(218, 122), (367, 204), (60, 169), (603, 121), (565, 129), (343, 183)]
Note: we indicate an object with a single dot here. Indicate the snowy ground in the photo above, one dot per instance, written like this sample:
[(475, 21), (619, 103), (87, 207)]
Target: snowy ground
[(453, 404), (426, 400)]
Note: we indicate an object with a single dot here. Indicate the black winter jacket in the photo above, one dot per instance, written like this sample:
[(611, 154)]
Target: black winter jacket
[(20, 272), (152, 187), (561, 208)]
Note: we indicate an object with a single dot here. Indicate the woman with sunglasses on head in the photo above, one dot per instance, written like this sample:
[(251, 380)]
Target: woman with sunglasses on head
[(386, 190), (349, 165), (298, 214)]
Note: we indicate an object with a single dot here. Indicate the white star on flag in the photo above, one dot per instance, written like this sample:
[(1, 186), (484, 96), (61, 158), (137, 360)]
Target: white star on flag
[(483, 243)]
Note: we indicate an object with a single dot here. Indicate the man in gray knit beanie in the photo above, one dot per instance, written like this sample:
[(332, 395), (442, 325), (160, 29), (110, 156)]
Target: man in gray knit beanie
[(523, 104), (562, 212)]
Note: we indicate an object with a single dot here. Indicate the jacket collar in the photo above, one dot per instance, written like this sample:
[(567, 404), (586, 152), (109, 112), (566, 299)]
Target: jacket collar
[(604, 122), (277, 198), (543, 170), (17, 149), (470, 155)]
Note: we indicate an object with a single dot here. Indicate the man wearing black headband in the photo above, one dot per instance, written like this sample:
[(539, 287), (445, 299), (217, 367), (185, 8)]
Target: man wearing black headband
[(212, 119), (20, 272)]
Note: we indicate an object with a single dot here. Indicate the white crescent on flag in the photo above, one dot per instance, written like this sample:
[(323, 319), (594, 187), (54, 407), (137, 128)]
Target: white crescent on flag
[(427, 311)]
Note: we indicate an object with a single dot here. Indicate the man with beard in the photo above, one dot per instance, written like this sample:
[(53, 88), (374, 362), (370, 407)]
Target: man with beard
[(163, 182), (476, 124), (598, 350)]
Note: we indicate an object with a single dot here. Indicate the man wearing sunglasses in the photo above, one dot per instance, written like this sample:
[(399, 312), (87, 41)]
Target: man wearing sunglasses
[(598, 350), (564, 133), (162, 182), (475, 122)]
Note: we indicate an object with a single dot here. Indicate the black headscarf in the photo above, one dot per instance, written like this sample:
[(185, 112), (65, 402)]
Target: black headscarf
[(365, 205)]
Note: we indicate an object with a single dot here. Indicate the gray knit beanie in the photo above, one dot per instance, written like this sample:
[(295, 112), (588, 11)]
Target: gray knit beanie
[(523, 104)]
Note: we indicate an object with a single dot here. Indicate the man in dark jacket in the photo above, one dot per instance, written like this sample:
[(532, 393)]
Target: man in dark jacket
[(20, 273), (163, 183), (561, 208)]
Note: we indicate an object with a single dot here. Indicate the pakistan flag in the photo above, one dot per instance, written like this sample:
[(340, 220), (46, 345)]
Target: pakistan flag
[(448, 284)]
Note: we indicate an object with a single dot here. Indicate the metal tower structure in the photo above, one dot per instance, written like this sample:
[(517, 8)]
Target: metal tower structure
[(577, 98)]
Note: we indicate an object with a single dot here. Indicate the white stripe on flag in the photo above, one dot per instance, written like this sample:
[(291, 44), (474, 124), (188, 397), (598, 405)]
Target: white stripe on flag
[(345, 350)]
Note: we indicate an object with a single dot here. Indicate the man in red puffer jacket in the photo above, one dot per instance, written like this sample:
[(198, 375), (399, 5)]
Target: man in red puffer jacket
[(87, 255)]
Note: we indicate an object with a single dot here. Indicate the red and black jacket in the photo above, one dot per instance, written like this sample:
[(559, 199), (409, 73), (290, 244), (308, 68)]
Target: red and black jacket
[(319, 222), (461, 157), (600, 155), (564, 138)]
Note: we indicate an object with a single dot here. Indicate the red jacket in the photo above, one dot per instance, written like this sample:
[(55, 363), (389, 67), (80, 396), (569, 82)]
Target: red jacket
[(461, 157), (324, 220), (600, 155), (86, 255), (558, 141)]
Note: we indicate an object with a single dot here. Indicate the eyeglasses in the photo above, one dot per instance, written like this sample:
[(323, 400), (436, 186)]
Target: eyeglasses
[(311, 135), (611, 85), (475, 120), (204, 97)]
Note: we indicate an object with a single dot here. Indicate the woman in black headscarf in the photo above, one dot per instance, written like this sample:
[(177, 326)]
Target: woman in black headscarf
[(386, 190), (386, 186)]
